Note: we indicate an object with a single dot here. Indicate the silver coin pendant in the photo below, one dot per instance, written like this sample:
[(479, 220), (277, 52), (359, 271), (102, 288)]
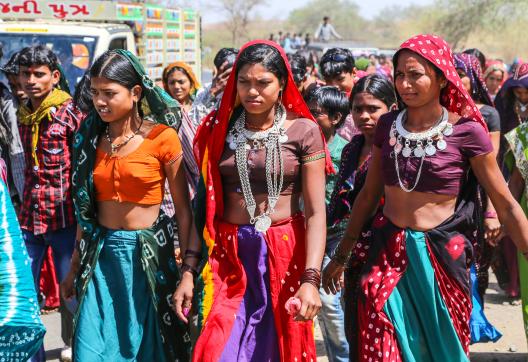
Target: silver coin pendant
[(232, 145), (406, 152), (430, 150), (283, 138), (419, 151), (263, 224), (448, 131), (441, 145), (398, 147)]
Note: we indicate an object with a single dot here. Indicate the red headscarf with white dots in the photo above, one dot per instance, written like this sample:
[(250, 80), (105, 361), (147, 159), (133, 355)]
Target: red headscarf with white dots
[(454, 96)]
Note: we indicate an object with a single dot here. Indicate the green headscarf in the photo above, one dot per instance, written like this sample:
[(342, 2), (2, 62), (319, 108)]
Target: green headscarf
[(362, 64), (157, 249)]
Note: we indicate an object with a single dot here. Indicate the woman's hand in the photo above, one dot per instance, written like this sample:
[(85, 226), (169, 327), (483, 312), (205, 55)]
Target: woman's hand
[(67, 286), (492, 230), (310, 302), (182, 297), (333, 277)]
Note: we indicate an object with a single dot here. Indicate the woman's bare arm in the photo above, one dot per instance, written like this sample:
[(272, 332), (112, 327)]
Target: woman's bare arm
[(187, 235)]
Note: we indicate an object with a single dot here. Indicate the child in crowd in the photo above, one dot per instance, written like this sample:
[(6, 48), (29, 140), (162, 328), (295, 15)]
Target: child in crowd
[(330, 107), (338, 69)]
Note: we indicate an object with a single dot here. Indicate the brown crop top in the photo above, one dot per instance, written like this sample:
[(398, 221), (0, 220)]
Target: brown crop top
[(138, 177), (305, 144), (443, 173)]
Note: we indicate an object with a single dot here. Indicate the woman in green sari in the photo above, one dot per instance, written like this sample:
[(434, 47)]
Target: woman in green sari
[(124, 268), (518, 140)]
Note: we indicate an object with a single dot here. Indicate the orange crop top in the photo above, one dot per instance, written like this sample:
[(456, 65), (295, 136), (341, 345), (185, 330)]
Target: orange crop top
[(138, 177)]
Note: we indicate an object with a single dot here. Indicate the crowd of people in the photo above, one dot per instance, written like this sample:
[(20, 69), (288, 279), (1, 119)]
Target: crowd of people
[(214, 223)]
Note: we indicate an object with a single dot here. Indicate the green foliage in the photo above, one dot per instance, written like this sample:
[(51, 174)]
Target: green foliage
[(344, 16)]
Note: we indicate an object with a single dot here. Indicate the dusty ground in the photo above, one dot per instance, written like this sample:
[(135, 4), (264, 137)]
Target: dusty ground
[(511, 347)]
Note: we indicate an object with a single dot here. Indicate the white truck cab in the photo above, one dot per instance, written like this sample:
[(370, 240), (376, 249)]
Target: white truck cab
[(76, 44)]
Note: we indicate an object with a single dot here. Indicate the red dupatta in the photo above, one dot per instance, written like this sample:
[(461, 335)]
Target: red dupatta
[(210, 138), (454, 96)]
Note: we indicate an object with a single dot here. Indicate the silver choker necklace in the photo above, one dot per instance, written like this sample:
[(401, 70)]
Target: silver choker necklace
[(241, 140), (420, 144)]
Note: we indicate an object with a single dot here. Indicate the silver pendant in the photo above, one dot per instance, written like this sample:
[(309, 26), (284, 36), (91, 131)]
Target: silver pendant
[(419, 151), (406, 152), (283, 138), (441, 145), (232, 145), (398, 147), (392, 141), (263, 224), (430, 150), (448, 131)]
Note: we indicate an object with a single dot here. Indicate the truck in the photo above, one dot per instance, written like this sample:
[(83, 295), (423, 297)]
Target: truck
[(80, 31)]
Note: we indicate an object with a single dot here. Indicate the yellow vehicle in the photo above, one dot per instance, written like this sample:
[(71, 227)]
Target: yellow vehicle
[(80, 31)]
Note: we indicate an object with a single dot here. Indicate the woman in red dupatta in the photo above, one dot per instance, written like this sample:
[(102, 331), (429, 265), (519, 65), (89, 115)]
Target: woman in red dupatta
[(414, 298), (253, 269)]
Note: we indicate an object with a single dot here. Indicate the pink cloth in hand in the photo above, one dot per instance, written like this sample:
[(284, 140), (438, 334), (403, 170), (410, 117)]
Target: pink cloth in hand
[(293, 305)]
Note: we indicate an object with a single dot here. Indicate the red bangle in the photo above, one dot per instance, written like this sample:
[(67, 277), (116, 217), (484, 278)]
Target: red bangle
[(490, 215)]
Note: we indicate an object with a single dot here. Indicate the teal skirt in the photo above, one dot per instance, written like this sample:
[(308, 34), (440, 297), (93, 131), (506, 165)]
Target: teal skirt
[(21, 330), (420, 317), (117, 320)]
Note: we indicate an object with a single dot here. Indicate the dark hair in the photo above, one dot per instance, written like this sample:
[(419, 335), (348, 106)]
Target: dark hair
[(336, 61), (331, 100), (267, 56), (298, 67), (38, 55), (82, 99), (115, 67), (477, 53), (376, 85), (11, 67), (225, 54)]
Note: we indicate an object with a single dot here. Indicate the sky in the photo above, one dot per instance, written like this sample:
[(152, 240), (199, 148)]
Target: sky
[(281, 8)]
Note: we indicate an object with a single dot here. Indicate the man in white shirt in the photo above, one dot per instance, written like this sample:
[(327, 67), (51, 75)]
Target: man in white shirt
[(326, 31)]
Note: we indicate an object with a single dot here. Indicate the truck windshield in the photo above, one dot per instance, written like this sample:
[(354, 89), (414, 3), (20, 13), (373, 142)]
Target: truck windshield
[(75, 52)]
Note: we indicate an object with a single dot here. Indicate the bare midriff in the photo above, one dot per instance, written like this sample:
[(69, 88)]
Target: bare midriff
[(126, 215), (235, 207), (419, 211)]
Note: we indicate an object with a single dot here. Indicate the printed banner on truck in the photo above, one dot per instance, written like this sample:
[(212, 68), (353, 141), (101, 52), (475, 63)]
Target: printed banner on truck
[(69, 10)]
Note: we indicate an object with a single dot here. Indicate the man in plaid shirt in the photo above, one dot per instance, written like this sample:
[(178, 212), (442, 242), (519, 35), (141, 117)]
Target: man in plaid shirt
[(48, 122)]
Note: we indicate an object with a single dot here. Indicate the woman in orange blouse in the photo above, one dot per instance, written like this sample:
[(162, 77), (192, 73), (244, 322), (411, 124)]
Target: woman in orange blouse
[(124, 267)]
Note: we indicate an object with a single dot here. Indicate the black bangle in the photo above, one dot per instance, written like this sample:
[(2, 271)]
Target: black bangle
[(340, 258), (192, 253), (187, 268)]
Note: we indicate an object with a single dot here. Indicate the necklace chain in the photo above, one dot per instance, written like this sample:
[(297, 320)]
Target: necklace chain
[(401, 139), (271, 140), (116, 147)]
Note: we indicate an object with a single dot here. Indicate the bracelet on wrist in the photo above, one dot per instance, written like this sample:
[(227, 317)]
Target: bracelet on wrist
[(312, 276), (341, 258), (188, 268), (192, 254), (490, 215)]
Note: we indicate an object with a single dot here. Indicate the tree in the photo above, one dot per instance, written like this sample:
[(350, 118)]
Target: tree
[(238, 15), (462, 18), (344, 16)]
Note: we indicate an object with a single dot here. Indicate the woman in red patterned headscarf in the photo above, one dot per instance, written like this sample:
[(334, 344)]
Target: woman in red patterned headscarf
[(259, 154), (415, 300)]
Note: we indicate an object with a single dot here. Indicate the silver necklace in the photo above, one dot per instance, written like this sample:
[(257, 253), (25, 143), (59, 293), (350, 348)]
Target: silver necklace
[(270, 139), (419, 144), (113, 147)]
